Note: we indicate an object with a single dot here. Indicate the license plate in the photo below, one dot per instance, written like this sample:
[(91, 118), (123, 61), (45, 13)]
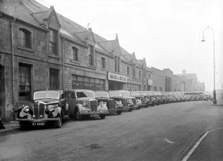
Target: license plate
[(38, 123)]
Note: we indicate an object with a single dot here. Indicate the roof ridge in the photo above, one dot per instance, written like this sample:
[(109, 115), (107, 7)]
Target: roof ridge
[(38, 12)]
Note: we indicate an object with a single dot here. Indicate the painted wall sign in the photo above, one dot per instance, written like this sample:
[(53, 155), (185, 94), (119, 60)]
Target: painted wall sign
[(116, 77), (150, 82)]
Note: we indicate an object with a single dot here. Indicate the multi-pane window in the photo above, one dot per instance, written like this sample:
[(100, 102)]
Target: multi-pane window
[(139, 74), (25, 38), (91, 55), (75, 53), (24, 82), (103, 62), (128, 69), (117, 64), (81, 82), (54, 78), (53, 42)]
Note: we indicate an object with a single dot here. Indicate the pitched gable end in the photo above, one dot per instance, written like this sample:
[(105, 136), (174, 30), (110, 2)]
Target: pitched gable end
[(53, 19)]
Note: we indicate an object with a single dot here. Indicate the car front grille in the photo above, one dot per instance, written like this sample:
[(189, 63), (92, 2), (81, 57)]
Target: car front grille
[(93, 105), (39, 110)]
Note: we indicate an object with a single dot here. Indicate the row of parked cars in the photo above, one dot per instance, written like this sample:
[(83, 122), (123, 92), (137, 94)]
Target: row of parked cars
[(55, 106)]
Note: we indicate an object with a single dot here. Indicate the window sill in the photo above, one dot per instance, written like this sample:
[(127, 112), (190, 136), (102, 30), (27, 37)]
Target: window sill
[(25, 48), (54, 56), (103, 69), (92, 67), (74, 62)]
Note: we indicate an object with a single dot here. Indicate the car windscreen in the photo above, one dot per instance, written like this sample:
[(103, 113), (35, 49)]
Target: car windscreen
[(101, 94), (126, 94), (46, 94), (115, 93), (84, 94)]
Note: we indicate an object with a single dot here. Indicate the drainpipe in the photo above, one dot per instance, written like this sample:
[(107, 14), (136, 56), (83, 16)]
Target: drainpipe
[(12, 59), (63, 44)]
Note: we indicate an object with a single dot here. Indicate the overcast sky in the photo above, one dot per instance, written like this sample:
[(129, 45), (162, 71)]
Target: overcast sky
[(167, 33)]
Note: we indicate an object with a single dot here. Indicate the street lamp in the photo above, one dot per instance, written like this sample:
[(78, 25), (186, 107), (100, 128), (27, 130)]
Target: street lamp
[(203, 40)]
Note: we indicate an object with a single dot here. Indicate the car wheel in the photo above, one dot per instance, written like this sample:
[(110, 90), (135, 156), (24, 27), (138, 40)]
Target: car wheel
[(59, 122), (78, 115), (130, 110), (23, 125), (119, 112), (102, 116)]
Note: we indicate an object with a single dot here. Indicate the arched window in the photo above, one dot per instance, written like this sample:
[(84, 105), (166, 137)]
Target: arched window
[(75, 53), (25, 38)]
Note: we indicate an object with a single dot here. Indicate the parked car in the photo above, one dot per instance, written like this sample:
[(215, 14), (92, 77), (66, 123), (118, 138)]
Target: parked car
[(82, 103), (114, 106), (48, 106), (125, 97), (140, 100)]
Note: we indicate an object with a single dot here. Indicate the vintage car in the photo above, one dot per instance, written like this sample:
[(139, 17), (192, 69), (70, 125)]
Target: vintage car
[(114, 106), (140, 99), (82, 104), (48, 106), (124, 97)]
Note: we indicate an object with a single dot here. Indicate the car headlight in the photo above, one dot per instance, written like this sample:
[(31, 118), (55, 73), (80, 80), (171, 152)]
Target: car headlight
[(84, 103), (51, 107)]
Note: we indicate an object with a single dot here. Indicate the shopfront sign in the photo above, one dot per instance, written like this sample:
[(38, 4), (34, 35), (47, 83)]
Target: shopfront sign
[(150, 82), (116, 77)]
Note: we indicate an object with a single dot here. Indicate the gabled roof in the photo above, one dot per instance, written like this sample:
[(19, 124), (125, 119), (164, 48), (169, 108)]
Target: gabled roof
[(19, 10), (86, 36), (44, 16)]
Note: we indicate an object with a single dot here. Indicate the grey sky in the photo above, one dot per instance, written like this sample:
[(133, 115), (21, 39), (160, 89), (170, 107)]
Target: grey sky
[(167, 33)]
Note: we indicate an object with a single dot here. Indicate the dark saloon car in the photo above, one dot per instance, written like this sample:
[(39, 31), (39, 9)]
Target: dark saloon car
[(114, 106), (48, 106), (82, 103)]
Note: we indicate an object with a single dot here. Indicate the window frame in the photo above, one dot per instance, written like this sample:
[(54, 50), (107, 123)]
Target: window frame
[(128, 70), (91, 55), (103, 63), (75, 54), (25, 40), (53, 41)]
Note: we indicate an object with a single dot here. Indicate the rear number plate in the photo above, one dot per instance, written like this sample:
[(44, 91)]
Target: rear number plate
[(38, 123)]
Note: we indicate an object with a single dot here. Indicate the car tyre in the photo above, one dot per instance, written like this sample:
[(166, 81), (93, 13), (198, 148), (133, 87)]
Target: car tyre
[(119, 112), (59, 122), (78, 115), (23, 125), (102, 116)]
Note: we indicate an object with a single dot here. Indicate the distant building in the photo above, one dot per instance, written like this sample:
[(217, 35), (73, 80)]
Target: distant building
[(192, 82), (200, 86)]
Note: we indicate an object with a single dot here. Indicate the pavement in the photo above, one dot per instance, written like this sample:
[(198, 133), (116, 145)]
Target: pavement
[(9, 126)]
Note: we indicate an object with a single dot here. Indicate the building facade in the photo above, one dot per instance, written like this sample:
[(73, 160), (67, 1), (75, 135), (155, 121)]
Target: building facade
[(41, 49)]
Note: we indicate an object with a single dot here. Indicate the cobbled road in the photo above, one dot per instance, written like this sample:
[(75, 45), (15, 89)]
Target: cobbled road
[(160, 133)]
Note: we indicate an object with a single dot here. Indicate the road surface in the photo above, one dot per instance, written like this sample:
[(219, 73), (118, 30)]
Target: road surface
[(160, 133)]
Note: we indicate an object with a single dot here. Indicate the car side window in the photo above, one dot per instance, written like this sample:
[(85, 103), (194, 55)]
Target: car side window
[(68, 95), (73, 95)]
